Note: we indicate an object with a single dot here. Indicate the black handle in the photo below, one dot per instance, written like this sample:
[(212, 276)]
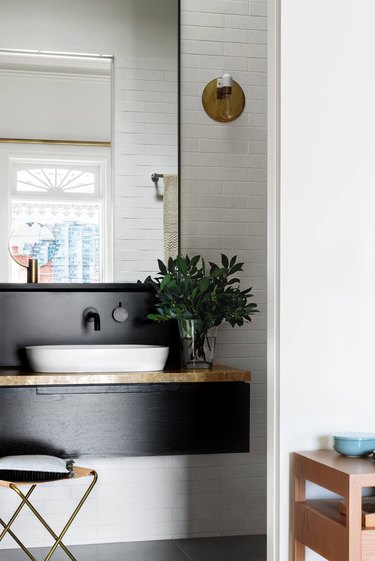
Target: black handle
[(123, 388)]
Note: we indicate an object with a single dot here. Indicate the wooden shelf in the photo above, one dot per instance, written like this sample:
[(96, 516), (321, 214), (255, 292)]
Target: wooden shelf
[(318, 523), (327, 508)]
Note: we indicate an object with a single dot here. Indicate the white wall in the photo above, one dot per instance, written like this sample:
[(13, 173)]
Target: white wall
[(327, 228)]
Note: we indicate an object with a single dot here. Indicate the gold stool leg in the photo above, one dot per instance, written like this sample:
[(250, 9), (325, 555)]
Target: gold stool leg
[(41, 519), (76, 511), (18, 541), (58, 539), (7, 526)]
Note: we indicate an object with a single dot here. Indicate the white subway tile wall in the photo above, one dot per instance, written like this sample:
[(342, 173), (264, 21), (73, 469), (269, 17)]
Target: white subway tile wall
[(145, 131), (223, 210)]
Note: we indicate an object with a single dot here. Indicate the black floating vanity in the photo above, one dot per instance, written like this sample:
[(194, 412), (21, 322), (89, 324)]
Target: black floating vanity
[(108, 414)]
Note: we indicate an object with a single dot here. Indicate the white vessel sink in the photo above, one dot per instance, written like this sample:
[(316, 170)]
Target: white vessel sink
[(97, 358)]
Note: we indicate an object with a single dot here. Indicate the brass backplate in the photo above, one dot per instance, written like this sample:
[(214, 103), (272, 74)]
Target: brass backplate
[(211, 103)]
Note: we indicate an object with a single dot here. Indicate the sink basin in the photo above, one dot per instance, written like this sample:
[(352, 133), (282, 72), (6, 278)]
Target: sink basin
[(97, 358)]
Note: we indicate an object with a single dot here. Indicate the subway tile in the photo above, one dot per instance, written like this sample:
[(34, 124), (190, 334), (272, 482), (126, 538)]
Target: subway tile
[(192, 103), (131, 106), (190, 145), (210, 33), (235, 243), (236, 35), (258, 51), (198, 214), (189, 200), (189, 32), (171, 76), (212, 201), (201, 131), (192, 88), (129, 84), (257, 202), (245, 133), (260, 146), (223, 64), (190, 61), (202, 47), (190, 5), (258, 37), (211, 173), (237, 21), (233, 231), (258, 21), (223, 146), (237, 49), (144, 515), (251, 188), (257, 65), (256, 92), (160, 107), (141, 74), (246, 22), (159, 64), (224, 6), (203, 242), (190, 118), (257, 524), (202, 19), (257, 174), (244, 215), (258, 9), (201, 511)]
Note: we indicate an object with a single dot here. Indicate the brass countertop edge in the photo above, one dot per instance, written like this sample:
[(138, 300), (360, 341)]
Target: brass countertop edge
[(219, 373)]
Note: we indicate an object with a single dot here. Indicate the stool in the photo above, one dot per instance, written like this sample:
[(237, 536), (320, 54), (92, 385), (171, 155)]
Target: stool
[(78, 472)]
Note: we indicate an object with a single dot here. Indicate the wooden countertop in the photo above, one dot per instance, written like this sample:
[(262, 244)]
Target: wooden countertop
[(218, 373)]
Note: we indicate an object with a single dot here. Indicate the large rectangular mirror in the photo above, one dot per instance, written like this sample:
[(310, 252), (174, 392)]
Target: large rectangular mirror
[(89, 138)]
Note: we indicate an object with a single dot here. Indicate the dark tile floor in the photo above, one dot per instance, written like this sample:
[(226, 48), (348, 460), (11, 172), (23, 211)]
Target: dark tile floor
[(233, 548)]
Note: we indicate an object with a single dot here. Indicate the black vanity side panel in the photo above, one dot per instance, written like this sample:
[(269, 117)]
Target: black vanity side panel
[(125, 420)]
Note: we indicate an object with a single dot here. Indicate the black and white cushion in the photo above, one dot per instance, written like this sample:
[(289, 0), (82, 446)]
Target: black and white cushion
[(35, 468)]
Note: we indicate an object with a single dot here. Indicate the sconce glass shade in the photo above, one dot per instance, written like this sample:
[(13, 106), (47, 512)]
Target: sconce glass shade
[(223, 107), (226, 107)]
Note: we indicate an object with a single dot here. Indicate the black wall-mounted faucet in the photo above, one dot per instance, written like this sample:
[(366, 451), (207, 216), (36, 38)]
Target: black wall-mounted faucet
[(92, 314)]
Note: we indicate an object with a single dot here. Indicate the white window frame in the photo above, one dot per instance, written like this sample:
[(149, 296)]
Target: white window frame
[(13, 155)]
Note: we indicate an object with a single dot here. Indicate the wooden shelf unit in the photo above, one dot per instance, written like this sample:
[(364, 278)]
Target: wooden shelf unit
[(318, 524)]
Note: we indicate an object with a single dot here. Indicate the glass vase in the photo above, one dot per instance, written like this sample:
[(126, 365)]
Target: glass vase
[(197, 343)]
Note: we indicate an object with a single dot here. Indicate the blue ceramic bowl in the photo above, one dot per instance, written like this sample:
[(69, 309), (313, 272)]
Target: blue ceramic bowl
[(354, 443)]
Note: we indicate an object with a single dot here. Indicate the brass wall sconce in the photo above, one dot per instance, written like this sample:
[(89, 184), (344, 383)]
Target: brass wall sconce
[(223, 99)]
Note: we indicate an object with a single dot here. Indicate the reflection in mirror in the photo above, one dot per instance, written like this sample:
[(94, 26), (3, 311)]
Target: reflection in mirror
[(99, 79), (32, 241)]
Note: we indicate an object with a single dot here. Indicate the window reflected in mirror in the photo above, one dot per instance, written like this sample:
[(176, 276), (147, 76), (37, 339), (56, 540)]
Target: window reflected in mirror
[(57, 215)]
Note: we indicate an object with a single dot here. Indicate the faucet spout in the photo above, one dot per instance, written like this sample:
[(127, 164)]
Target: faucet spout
[(96, 318), (92, 314)]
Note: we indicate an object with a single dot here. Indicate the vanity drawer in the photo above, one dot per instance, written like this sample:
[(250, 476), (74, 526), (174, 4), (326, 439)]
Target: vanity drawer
[(126, 420)]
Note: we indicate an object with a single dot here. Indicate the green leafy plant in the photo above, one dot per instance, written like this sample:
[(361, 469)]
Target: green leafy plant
[(186, 288)]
